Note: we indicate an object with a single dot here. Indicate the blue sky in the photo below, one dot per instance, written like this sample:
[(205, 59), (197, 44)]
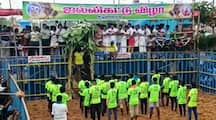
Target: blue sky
[(18, 3)]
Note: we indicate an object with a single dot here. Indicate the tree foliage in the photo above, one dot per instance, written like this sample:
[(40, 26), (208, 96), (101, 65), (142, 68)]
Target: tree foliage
[(207, 11), (79, 35)]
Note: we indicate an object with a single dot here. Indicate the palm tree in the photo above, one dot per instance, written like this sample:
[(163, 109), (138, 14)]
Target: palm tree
[(79, 35)]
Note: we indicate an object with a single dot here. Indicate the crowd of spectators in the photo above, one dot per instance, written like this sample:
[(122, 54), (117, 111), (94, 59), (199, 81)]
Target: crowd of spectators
[(142, 38), (45, 40), (32, 40)]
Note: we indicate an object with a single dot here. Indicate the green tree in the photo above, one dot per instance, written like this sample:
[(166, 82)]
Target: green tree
[(207, 11), (79, 35)]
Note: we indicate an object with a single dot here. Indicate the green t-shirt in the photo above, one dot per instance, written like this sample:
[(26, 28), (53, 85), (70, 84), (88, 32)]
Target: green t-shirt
[(48, 89), (193, 94), (95, 93), (81, 86), (105, 88), (65, 97), (174, 88), (156, 76), (166, 82), (55, 89), (144, 89), (86, 97), (133, 92), (154, 90), (129, 82), (182, 95), (122, 90), (112, 98)]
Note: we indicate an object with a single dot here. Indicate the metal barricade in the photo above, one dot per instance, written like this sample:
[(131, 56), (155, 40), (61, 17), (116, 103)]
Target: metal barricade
[(183, 64), (208, 72), (31, 77), (18, 102)]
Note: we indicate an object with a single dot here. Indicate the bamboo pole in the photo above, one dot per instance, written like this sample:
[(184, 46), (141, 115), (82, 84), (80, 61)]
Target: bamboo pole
[(69, 85)]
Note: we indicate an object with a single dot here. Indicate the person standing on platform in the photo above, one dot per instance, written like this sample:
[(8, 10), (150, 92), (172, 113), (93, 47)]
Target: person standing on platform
[(142, 39)]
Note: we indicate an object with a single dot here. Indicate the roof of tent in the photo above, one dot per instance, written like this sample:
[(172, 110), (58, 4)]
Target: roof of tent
[(9, 12)]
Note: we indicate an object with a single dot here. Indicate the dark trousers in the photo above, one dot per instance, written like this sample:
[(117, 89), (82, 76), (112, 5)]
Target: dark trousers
[(173, 103), (194, 109), (81, 102), (46, 43), (103, 106), (86, 111), (182, 109), (114, 110), (95, 109), (166, 95), (143, 105), (49, 105)]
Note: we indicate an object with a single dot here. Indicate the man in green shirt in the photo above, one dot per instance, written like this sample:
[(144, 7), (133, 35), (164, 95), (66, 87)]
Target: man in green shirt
[(181, 97), (165, 89), (81, 86), (122, 95), (154, 92), (144, 94), (112, 101), (192, 102), (104, 89), (95, 100), (157, 76), (55, 89), (49, 83), (133, 95), (129, 80), (173, 88), (65, 97), (86, 99)]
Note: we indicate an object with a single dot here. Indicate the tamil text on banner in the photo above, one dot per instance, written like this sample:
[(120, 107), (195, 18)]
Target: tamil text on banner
[(37, 10), (40, 58)]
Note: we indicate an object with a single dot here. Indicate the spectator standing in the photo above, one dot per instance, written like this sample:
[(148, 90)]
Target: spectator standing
[(142, 39), (45, 35), (112, 31), (54, 41), (25, 41), (136, 36), (59, 110), (59, 32), (35, 41), (5, 41), (123, 39)]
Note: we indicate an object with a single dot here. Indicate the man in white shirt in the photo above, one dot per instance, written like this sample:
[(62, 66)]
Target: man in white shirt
[(112, 32), (59, 110), (142, 39), (123, 37), (136, 32)]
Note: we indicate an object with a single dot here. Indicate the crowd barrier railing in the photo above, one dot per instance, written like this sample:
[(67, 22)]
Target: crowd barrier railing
[(17, 102)]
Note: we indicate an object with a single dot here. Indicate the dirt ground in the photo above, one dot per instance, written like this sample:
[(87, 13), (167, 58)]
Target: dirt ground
[(206, 109)]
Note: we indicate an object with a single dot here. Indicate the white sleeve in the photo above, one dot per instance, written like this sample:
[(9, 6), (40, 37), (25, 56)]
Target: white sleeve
[(53, 110)]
